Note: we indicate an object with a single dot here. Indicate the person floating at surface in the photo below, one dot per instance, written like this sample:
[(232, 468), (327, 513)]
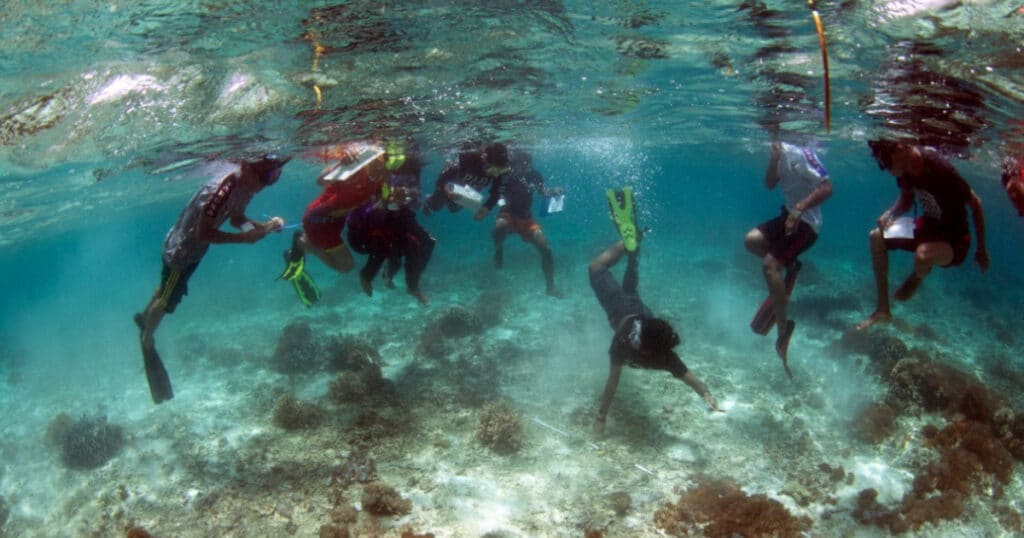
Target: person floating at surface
[(186, 243), (355, 176), (805, 185), (388, 231), (640, 340), (939, 236), (1013, 182), (515, 180)]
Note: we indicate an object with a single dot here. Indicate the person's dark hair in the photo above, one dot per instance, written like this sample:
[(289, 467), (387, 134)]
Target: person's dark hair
[(882, 150), (471, 158), (656, 335), (496, 155), (269, 166)]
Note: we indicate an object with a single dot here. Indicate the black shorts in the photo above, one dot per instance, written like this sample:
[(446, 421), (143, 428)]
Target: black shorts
[(930, 231), (786, 248), (174, 286), (616, 302)]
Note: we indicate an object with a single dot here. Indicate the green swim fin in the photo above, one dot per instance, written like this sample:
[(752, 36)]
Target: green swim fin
[(306, 288), (621, 205)]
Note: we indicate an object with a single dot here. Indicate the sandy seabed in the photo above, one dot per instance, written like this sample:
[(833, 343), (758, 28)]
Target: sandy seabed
[(212, 462)]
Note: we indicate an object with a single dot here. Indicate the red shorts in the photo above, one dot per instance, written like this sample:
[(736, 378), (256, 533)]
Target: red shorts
[(325, 217), (524, 226)]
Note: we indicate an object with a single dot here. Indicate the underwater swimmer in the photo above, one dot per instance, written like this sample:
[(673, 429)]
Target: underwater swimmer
[(198, 226), (641, 340)]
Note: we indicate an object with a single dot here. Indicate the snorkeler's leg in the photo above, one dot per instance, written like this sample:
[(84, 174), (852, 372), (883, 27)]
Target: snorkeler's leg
[(499, 234), (614, 373), (149, 319), (880, 266), (756, 243), (338, 258), (772, 270), (547, 261), (607, 259), (926, 256)]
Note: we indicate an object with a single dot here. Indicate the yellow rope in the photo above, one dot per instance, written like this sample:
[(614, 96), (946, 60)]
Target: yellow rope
[(824, 61)]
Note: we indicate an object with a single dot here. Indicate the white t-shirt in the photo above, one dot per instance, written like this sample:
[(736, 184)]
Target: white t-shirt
[(800, 172)]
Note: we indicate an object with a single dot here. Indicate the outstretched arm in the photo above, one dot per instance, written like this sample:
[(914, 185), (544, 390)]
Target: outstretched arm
[(614, 372), (700, 388), (981, 254)]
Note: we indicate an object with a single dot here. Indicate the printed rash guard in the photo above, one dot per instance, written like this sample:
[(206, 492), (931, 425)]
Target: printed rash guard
[(219, 200)]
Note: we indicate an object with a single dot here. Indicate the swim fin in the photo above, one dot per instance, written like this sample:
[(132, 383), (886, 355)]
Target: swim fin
[(764, 320), (620, 203), (159, 382), (306, 288)]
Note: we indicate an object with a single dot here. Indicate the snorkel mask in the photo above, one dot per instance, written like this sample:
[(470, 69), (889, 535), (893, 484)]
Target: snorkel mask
[(394, 153), (270, 166)]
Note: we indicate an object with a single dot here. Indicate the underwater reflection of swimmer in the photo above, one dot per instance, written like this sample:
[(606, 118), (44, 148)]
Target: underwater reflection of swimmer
[(640, 340), (939, 236), (198, 226)]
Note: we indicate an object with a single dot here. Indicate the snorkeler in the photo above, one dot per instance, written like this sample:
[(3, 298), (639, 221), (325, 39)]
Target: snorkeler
[(355, 176), (939, 236), (1013, 182), (805, 185), (515, 180), (640, 340), (464, 174), (186, 243), (388, 231)]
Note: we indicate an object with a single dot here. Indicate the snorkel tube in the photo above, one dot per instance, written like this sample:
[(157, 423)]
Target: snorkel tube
[(824, 60)]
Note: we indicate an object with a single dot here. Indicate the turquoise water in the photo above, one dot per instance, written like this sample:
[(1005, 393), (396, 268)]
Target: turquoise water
[(109, 113)]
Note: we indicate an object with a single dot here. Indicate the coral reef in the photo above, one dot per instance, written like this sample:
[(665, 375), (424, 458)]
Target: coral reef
[(4, 512), (381, 499), (620, 502), (500, 429), (138, 532), (361, 386), (357, 468), (296, 352), (332, 531), (719, 509), (939, 387), (85, 443), (291, 414), (455, 322), (874, 423), (350, 352)]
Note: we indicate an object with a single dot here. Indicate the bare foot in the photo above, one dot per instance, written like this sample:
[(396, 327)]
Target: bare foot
[(423, 299), (879, 316), (555, 292), (908, 288), (367, 287)]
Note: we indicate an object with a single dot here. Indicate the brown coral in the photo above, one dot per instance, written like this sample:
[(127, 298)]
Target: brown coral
[(296, 351), (719, 509), (381, 499), (875, 423), (500, 429), (294, 414)]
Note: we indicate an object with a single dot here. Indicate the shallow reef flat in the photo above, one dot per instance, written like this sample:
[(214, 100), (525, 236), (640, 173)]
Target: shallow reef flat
[(472, 417)]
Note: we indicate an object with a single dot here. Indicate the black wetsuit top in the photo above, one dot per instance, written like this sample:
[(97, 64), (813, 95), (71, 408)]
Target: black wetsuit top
[(517, 187)]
